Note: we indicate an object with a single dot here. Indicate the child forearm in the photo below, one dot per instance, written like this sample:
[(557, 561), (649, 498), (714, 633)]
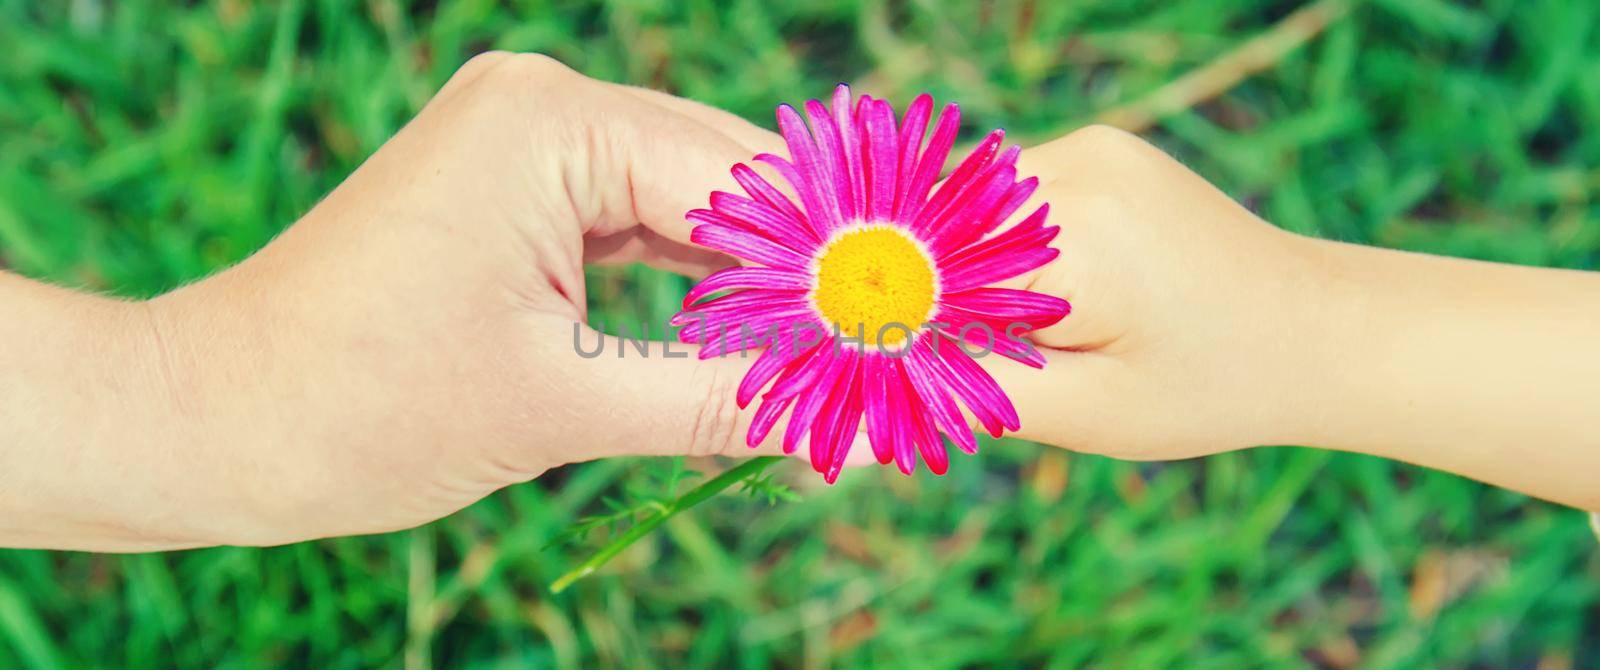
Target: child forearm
[(1491, 371)]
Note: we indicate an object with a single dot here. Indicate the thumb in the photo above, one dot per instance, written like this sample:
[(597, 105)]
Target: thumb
[(659, 399), (1073, 402)]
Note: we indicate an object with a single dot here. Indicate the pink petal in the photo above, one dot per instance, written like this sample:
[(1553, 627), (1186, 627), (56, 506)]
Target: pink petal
[(810, 401), (1000, 267), (828, 135), (845, 433), (896, 410), (944, 410), (912, 128), (979, 391), (880, 425), (838, 426), (848, 136), (750, 247), (720, 218), (742, 303), (766, 416), (987, 222), (1019, 194), (769, 195), (771, 362), (976, 175), (935, 366), (1019, 249), (1010, 345), (775, 224), (960, 179), (925, 435), (931, 163), (746, 277), (707, 327), (802, 373), (770, 329), (963, 218), (1008, 306), (880, 148), (821, 215), (908, 424), (808, 173)]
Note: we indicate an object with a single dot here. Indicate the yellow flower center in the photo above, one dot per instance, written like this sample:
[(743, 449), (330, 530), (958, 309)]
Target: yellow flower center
[(873, 280)]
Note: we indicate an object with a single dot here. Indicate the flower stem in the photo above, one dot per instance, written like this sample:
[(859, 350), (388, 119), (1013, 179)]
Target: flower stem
[(694, 497)]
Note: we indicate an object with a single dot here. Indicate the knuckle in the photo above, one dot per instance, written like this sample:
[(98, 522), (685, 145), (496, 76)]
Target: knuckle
[(716, 426), (493, 84), (1100, 134), (538, 67), (1100, 145), (482, 62), (508, 70)]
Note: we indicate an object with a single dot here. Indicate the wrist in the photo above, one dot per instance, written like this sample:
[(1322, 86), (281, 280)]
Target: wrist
[(1327, 321), (1475, 368), (1378, 350), (94, 457), (218, 410)]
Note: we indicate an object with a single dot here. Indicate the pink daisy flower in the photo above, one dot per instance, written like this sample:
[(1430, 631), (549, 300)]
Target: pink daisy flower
[(871, 294)]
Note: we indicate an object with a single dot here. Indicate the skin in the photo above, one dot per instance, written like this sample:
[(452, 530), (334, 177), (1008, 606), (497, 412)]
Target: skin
[(406, 348), (1199, 328)]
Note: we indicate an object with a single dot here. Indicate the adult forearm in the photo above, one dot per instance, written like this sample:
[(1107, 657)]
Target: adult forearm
[(1491, 371), (90, 454)]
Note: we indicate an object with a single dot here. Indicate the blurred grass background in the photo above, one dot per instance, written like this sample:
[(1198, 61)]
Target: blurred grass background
[(144, 144)]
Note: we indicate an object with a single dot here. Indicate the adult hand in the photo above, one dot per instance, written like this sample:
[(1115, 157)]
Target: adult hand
[(405, 349)]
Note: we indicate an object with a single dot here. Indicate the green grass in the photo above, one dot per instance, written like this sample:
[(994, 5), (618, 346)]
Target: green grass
[(144, 144)]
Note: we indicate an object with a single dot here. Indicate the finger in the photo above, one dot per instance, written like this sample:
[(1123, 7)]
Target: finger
[(754, 138), (667, 402), (1079, 274), (651, 168), (648, 165), (1095, 179), (654, 166), (642, 245), (1068, 402), (677, 138)]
